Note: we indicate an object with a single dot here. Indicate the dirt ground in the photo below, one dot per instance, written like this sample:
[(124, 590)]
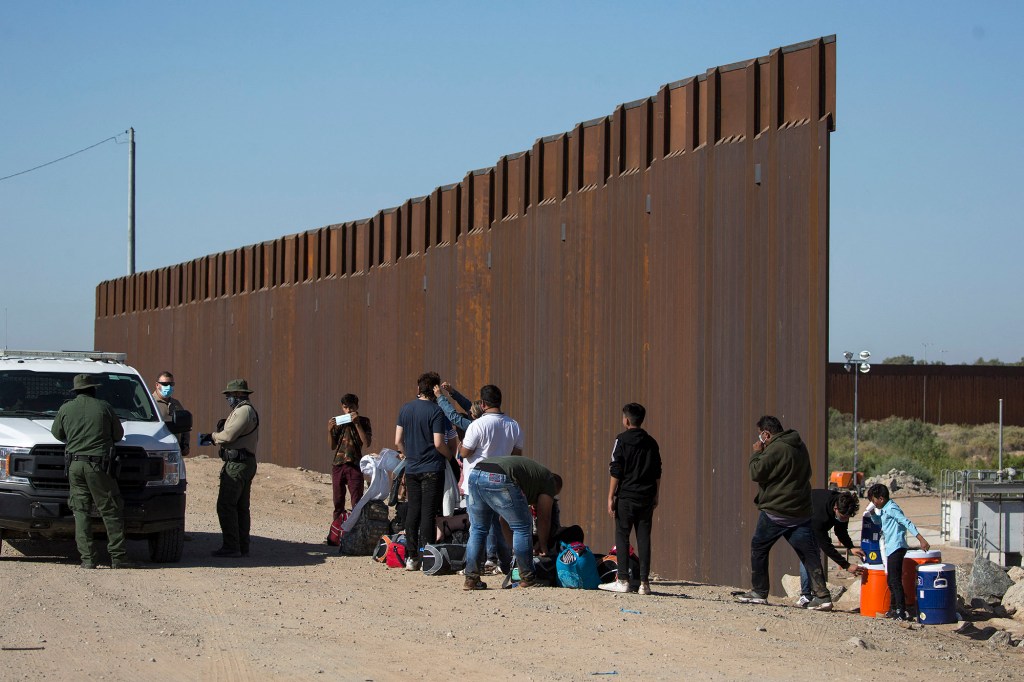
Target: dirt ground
[(295, 610)]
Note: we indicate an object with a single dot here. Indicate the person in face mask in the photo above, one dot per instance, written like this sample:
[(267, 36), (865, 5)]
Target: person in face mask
[(167, 405), (237, 440), (831, 510)]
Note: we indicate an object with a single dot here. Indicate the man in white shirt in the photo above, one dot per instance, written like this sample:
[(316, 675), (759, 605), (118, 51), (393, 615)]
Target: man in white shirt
[(493, 434)]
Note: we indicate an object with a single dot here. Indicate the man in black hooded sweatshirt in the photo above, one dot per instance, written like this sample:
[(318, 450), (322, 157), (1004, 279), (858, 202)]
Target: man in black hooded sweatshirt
[(633, 495)]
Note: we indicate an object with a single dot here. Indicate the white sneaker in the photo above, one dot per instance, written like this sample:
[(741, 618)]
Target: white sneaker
[(615, 586), (644, 589), (803, 601), (412, 564)]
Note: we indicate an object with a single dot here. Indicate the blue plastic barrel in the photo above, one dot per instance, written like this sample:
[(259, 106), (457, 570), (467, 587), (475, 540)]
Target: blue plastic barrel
[(870, 535), (936, 594)]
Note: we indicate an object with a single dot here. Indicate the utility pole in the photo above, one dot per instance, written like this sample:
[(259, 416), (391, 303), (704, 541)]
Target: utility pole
[(131, 201)]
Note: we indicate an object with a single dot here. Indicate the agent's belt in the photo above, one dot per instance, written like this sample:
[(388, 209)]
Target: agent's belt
[(87, 458)]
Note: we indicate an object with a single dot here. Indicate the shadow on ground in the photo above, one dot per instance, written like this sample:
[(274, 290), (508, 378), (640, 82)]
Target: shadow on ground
[(263, 552)]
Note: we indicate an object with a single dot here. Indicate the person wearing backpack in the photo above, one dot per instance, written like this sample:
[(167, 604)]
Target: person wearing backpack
[(632, 495)]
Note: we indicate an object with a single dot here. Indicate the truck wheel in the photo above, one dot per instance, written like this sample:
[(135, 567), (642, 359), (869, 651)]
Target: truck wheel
[(166, 546)]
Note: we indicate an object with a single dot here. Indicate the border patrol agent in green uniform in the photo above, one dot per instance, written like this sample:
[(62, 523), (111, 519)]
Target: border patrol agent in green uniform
[(89, 428), (237, 440)]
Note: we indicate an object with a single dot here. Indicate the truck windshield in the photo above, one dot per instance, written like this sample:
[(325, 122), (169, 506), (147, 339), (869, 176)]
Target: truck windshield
[(40, 394)]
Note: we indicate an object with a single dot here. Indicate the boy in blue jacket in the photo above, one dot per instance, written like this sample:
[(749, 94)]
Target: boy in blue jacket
[(895, 526)]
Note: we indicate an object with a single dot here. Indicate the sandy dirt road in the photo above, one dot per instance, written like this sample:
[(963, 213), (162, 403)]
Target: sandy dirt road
[(295, 610)]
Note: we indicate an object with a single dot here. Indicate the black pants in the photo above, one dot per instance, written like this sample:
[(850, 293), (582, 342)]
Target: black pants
[(800, 538), (630, 514), (894, 569), (425, 492)]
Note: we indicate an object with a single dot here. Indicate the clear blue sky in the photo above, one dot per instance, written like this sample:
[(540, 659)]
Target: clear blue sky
[(258, 119)]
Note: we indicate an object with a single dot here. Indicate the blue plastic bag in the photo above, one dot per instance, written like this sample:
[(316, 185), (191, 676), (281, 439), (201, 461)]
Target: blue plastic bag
[(577, 567)]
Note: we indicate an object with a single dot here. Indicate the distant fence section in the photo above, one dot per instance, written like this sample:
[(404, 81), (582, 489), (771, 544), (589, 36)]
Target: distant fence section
[(673, 253), (937, 394)]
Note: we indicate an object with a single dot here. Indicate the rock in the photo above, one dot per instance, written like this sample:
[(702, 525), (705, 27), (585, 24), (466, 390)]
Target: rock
[(1013, 601), (791, 584), (859, 643), (761, 628), (979, 604), (988, 579), (963, 582), (1016, 574), (1000, 638), (897, 479), (850, 600)]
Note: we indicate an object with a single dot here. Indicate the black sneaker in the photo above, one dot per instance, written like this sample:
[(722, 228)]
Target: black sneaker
[(820, 604), (893, 614), (751, 597)]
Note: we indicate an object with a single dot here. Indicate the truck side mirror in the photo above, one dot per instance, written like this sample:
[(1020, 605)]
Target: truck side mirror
[(180, 422)]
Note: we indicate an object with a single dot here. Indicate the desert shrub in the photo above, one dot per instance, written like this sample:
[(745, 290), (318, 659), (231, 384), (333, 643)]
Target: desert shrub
[(908, 438)]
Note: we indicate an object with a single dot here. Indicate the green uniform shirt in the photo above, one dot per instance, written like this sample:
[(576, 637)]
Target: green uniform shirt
[(87, 426), (533, 478)]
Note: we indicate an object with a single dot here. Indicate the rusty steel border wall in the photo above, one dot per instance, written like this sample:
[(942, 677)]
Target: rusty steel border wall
[(937, 394), (673, 253)]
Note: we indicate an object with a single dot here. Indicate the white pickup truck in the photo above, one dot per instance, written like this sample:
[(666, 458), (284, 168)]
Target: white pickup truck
[(33, 485)]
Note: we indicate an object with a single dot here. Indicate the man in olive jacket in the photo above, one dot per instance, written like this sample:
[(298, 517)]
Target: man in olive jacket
[(89, 428), (237, 440), (781, 466)]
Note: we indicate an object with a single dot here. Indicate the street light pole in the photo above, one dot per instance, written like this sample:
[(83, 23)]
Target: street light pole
[(131, 201), (862, 367)]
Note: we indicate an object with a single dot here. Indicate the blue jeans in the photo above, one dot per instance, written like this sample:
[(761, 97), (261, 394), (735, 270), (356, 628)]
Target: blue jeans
[(800, 538), (497, 547), (492, 496)]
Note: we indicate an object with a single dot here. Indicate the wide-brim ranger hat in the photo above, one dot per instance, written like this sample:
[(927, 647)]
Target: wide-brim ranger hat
[(84, 381), (237, 386)]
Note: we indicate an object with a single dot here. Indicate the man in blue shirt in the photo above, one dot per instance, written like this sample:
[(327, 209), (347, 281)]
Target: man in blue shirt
[(419, 437)]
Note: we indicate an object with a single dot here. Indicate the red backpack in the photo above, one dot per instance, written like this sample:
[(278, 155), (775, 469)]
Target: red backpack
[(391, 550)]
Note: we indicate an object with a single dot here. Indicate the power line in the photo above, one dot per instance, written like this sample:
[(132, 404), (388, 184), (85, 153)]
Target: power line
[(50, 163)]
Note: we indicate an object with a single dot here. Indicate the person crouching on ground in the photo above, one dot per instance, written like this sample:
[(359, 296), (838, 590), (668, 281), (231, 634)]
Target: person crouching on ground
[(832, 510), (504, 488), (632, 495), (781, 467), (895, 526)]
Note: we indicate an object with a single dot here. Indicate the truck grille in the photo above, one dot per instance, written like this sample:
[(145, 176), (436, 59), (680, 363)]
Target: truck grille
[(44, 468)]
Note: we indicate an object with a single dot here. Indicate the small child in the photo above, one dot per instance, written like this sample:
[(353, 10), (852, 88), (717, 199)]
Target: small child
[(895, 525), (632, 496)]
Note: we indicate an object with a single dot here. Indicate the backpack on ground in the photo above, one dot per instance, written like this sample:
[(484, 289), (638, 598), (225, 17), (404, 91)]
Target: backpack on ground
[(380, 552), (634, 565), (443, 558), (543, 572), (576, 567), (395, 552), (363, 537)]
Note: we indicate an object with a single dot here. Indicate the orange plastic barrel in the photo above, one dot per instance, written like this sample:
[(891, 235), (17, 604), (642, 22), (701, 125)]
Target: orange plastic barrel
[(874, 590), (911, 560)]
